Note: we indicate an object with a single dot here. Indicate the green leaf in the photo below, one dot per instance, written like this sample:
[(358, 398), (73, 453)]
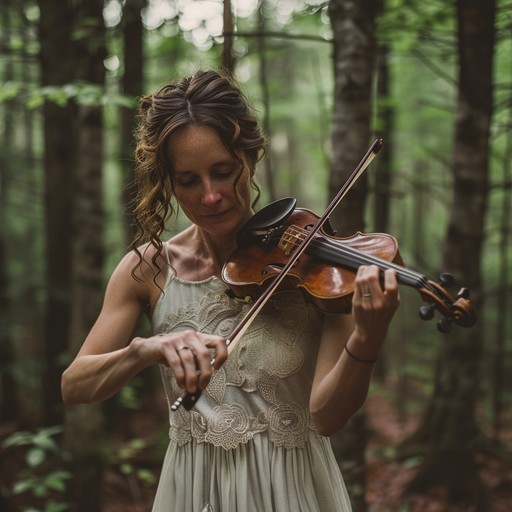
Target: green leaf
[(35, 457), (9, 90), (17, 439), (137, 443), (53, 506), (126, 469), (40, 491), (146, 476), (56, 480), (23, 486)]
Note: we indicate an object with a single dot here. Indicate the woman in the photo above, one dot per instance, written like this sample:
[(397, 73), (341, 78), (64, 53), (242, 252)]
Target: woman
[(255, 440)]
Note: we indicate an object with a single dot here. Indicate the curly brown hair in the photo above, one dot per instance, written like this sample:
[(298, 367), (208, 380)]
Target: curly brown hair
[(205, 98)]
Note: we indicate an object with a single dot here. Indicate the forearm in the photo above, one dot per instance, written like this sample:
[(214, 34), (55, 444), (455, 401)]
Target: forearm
[(342, 380), (97, 377), (343, 390)]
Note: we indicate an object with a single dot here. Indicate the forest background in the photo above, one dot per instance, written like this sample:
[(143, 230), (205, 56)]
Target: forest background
[(433, 79)]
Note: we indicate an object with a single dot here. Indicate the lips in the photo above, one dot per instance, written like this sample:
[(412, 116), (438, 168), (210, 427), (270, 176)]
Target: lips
[(216, 215)]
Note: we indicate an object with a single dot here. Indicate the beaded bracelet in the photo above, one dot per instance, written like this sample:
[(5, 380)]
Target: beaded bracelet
[(360, 360)]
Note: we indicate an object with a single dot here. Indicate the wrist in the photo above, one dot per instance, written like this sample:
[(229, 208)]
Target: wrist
[(139, 352), (359, 359), (362, 349)]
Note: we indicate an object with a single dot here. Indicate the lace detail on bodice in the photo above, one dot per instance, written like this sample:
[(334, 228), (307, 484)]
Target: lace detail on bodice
[(264, 385)]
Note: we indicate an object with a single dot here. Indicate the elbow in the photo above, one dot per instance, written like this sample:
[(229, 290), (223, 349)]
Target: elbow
[(67, 396), (66, 389), (329, 419), (328, 426)]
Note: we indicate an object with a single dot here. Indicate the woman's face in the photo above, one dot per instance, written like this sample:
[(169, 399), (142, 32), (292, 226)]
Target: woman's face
[(205, 174)]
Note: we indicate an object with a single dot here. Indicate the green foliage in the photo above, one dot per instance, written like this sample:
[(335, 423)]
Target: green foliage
[(39, 478), (129, 396), (125, 459), (408, 24), (82, 93), (9, 90)]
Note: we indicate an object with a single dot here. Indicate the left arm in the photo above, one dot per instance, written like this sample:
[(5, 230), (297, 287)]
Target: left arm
[(342, 378)]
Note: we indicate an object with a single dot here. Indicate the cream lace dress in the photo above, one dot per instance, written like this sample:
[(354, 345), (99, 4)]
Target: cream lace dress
[(248, 445)]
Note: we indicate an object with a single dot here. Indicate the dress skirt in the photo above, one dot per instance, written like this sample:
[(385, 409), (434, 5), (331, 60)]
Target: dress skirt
[(253, 477)]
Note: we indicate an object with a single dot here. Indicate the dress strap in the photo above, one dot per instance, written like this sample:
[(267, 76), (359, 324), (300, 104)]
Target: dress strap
[(171, 273)]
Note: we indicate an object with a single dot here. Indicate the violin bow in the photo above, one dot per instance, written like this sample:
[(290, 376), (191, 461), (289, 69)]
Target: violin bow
[(188, 400)]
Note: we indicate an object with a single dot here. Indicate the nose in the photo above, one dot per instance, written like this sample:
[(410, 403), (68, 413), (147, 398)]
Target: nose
[(211, 194)]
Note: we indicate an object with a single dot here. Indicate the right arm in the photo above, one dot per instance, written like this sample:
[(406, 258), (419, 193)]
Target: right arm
[(108, 360)]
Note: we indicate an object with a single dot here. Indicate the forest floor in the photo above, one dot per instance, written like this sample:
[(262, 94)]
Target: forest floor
[(387, 477)]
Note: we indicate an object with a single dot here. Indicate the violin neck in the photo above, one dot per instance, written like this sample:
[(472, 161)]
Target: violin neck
[(340, 254)]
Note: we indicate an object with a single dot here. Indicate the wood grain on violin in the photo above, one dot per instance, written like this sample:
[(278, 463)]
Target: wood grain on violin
[(326, 271)]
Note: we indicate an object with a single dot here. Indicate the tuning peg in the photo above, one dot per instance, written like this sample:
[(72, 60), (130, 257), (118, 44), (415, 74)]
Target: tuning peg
[(427, 312), (463, 293), (444, 325), (446, 279)]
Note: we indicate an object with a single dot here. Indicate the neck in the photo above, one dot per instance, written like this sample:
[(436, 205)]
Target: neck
[(216, 249)]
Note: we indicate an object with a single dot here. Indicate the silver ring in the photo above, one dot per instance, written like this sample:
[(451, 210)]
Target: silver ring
[(367, 295), (183, 348)]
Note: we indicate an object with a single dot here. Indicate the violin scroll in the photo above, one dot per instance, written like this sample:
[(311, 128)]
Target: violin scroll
[(454, 310)]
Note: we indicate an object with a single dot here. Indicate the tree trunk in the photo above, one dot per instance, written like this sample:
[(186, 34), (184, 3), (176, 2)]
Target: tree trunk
[(132, 84), (449, 428), (228, 59), (84, 423), (353, 26), (265, 93), (59, 163), (354, 49), (382, 175), (8, 387)]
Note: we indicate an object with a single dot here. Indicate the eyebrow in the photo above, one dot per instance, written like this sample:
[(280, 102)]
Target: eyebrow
[(220, 163)]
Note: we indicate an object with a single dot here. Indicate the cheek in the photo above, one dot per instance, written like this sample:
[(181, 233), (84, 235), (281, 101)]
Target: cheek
[(185, 199), (243, 187)]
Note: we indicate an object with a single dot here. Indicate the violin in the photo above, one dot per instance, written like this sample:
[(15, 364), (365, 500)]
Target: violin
[(325, 273), (282, 246)]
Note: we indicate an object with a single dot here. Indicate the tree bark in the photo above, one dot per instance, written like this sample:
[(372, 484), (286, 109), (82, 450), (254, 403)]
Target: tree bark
[(228, 59), (8, 385), (84, 423), (449, 428), (59, 163), (382, 175), (265, 93), (353, 25), (132, 84), (354, 50)]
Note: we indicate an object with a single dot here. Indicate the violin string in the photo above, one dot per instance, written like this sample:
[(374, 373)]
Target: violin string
[(355, 257), (359, 258)]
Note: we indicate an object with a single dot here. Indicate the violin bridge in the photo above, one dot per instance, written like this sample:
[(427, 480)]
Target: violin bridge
[(290, 239)]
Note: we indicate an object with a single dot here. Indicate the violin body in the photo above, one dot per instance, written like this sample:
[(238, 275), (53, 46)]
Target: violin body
[(262, 254), (325, 270)]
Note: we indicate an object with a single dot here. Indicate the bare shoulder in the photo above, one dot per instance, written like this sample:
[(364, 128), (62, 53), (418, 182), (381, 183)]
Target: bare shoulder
[(183, 242), (139, 274)]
